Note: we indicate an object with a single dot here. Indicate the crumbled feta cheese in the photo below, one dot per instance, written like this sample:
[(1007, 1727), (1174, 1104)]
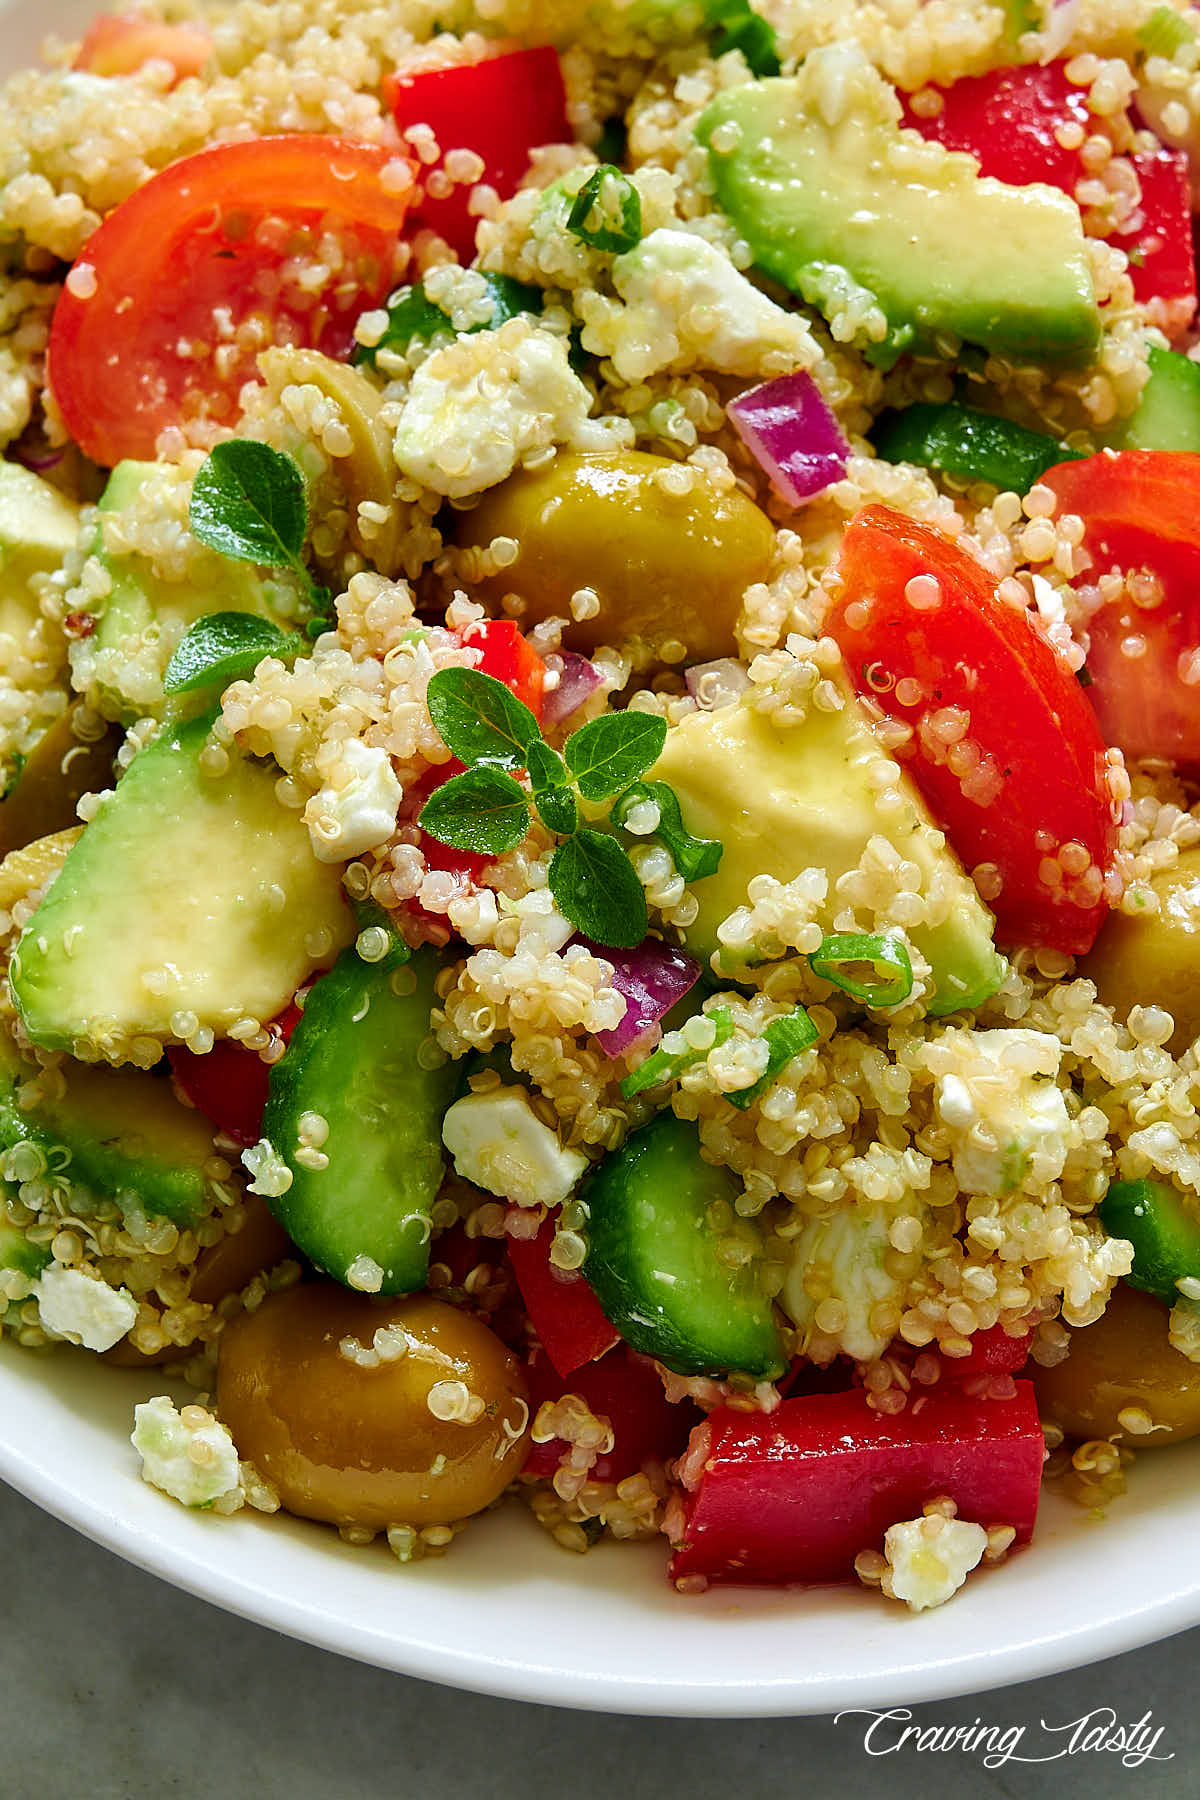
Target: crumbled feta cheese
[(499, 1143), (686, 304), (84, 1310), (475, 409), (842, 1259), (188, 1455), (929, 1559), (997, 1095), (360, 812)]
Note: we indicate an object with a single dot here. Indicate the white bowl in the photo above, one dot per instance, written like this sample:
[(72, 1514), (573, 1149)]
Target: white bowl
[(508, 1613)]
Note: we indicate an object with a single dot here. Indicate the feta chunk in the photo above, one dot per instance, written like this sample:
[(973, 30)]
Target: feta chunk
[(84, 1310), (996, 1093), (686, 304), (929, 1559), (359, 812), (499, 1143), (477, 408), (188, 1455), (842, 1258)]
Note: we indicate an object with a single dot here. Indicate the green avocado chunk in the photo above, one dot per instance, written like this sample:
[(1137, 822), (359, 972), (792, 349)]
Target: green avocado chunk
[(190, 896), (38, 526), (783, 799), (363, 1181), (857, 217), (653, 1258), (147, 609)]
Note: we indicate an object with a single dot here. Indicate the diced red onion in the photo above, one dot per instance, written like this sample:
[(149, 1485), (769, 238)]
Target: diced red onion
[(788, 427), (577, 680), (37, 460), (652, 978), (716, 683)]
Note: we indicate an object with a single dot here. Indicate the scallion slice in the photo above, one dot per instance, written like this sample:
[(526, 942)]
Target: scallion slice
[(785, 1038), (845, 952)]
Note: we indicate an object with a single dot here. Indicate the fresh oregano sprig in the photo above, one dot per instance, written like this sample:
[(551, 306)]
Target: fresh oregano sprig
[(486, 810), (607, 211), (250, 503)]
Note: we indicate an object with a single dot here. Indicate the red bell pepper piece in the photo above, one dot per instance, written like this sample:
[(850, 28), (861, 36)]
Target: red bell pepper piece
[(503, 108), (625, 1389), (1141, 511), (562, 1307), (1010, 121), (229, 1085), (993, 1352), (794, 1495), (1027, 774)]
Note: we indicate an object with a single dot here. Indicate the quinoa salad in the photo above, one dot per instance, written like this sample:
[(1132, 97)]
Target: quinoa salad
[(599, 731)]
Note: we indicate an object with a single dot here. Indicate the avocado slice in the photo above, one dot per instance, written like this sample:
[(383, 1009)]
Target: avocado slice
[(146, 611), (785, 799), (38, 526), (850, 212), (188, 893), (123, 1134)]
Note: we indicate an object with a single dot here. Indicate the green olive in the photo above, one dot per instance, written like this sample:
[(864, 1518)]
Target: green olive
[(368, 472), (34, 866), (1154, 959), (358, 1436), (664, 564), (1124, 1361), (58, 770)]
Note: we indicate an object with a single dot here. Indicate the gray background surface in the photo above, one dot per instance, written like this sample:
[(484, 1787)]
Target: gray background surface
[(114, 1686)]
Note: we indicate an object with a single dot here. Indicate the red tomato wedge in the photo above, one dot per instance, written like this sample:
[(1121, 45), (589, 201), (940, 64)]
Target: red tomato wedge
[(502, 108), (146, 331), (1141, 510), (120, 43), (1011, 121), (1004, 747)]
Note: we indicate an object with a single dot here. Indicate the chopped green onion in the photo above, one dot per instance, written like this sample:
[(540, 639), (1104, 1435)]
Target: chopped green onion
[(785, 1038), (675, 1054), (694, 857), (613, 197), (734, 25), (847, 950), (1165, 32)]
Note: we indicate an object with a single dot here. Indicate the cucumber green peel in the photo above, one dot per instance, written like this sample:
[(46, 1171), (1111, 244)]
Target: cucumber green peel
[(960, 440), (1165, 1234)]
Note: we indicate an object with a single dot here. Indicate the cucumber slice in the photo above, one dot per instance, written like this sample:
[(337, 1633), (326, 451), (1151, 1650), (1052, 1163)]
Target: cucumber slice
[(352, 1061), (1169, 415), (1164, 1234), (653, 1258)]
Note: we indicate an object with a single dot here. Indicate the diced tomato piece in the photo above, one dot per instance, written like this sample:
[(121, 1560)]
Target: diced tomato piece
[(503, 108), (229, 1085), (625, 1389), (509, 657), (562, 1307), (1141, 510), (1161, 261), (1009, 122), (120, 43), (794, 1495), (232, 230), (1004, 746)]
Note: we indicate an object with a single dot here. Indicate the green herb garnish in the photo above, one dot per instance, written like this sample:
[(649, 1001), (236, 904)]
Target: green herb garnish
[(675, 1054), (840, 956), (734, 25), (1165, 32), (226, 647), (694, 857), (485, 810), (785, 1038), (607, 211), (250, 503)]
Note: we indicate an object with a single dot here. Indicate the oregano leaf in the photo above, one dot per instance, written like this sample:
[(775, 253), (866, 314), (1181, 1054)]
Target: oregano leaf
[(596, 887), (480, 719), (483, 810), (609, 752), (226, 647), (249, 502)]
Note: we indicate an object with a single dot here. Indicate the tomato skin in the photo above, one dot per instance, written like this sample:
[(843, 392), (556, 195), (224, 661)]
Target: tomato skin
[(1141, 510), (229, 1085), (228, 227), (120, 43), (1009, 120), (503, 108), (1040, 779)]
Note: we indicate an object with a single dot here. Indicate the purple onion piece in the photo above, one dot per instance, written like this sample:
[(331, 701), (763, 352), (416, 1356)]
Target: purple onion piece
[(791, 432), (38, 459), (577, 680), (652, 978)]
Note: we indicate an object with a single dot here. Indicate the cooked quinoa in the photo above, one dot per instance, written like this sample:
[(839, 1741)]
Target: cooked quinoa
[(908, 1180)]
